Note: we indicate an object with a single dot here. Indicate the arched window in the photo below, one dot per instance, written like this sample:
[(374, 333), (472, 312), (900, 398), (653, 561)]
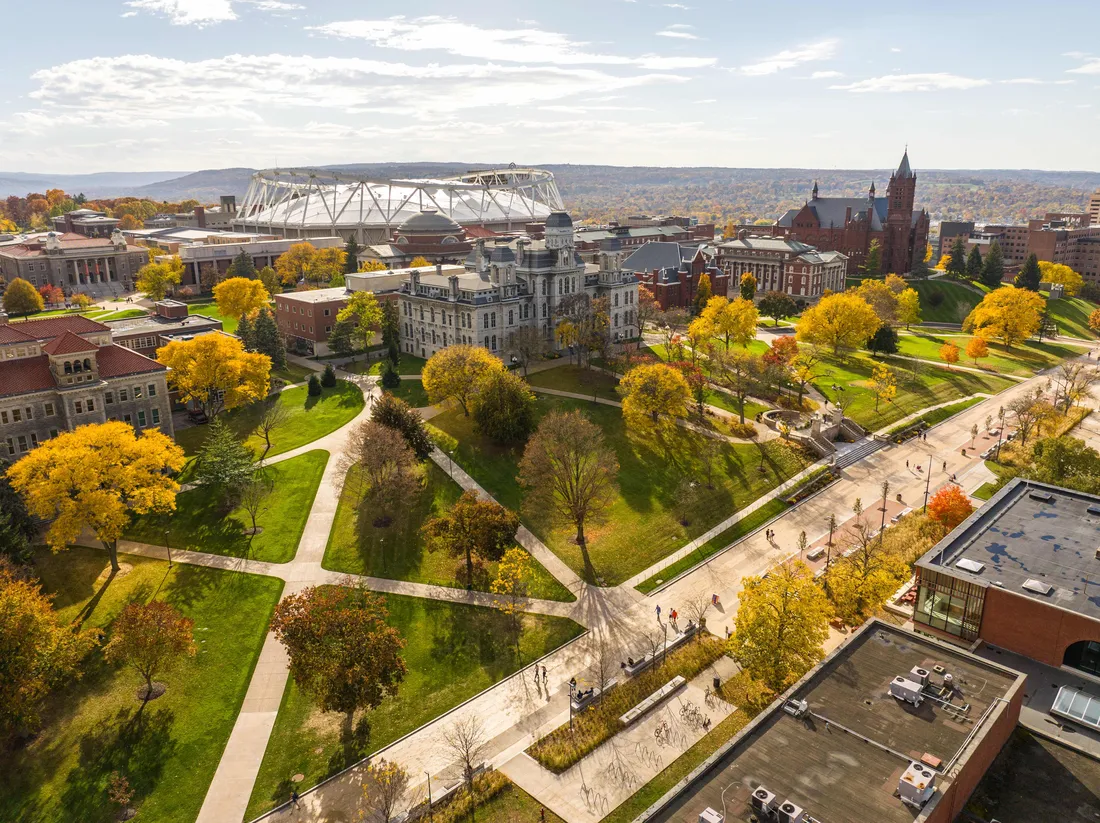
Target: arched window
[(77, 367), (87, 365), (68, 367)]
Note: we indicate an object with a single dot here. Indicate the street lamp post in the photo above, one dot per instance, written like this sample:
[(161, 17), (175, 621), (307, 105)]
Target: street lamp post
[(1000, 430), (429, 775), (451, 464), (882, 524), (927, 483), (168, 547)]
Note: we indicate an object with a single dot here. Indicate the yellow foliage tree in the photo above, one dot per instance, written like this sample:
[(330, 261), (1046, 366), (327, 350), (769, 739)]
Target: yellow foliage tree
[(839, 321), (895, 284), (419, 261), (294, 264), (881, 298), (781, 625), (861, 581), (98, 476), (1060, 273), (1094, 320), (238, 297), (455, 372), (654, 396), (977, 348), (884, 383), (214, 372), (326, 264), (372, 265), (949, 353), (699, 332), (510, 585), (908, 306), (1008, 314), (732, 320), (155, 279)]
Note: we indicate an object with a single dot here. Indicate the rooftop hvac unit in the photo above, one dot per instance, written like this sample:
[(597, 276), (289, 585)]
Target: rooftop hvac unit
[(919, 674), (709, 815), (917, 784), (763, 800), (905, 689), (796, 708), (788, 812)]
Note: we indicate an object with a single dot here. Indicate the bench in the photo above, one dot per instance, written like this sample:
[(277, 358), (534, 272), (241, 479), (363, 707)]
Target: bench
[(651, 701), (901, 514), (587, 697), (638, 665)]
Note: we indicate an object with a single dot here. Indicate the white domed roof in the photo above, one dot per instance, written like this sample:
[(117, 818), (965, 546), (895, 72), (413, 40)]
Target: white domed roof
[(430, 221)]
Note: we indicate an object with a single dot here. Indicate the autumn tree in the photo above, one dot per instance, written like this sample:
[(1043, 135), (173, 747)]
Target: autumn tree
[(703, 293), (504, 409), (884, 384), (781, 625), (327, 266), (782, 351), (419, 262), (1062, 274), (51, 295), (381, 468), (294, 264), (872, 263), (384, 785), (270, 278), (511, 584), (777, 305), (993, 268), (804, 369), (215, 373), (977, 348), (38, 651), (98, 477), (242, 266), (949, 507), (239, 296), (949, 353), (1008, 314), (455, 373), (368, 266), (528, 343), (342, 651), (748, 286), (150, 637), (882, 300), (733, 321), (866, 575), (1073, 380), (20, 297), (740, 372), (155, 280), (699, 334), (648, 308), (569, 471), (363, 311), (395, 413), (1030, 275), (838, 321), (908, 307), (654, 396), (471, 528), (82, 301), (1028, 411)]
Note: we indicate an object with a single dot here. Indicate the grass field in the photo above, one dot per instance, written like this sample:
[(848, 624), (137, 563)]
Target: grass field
[(309, 418), (93, 726), (94, 314), (453, 652), (200, 524), (942, 301), (656, 495), (409, 364), (398, 552), (930, 386), (210, 309), (1072, 316), (578, 380), (1025, 359), (412, 392)]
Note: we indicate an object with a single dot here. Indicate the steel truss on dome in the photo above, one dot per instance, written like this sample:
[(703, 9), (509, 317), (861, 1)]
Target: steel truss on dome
[(317, 202)]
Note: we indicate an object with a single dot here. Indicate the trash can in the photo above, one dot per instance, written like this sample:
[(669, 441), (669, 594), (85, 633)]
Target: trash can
[(717, 682)]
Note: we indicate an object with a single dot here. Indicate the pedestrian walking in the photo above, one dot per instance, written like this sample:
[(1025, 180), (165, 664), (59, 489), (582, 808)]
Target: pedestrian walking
[(906, 464), (945, 465), (536, 674), (542, 815), (544, 675), (658, 613), (294, 798)]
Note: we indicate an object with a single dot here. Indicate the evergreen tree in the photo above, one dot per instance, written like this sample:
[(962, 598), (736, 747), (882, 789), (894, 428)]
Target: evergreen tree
[(268, 340), (1029, 275), (993, 269), (391, 325), (919, 269), (956, 266), (246, 332), (242, 266), (872, 265), (390, 378), (395, 413), (974, 264), (224, 463), (340, 339), (351, 256), (393, 354), (883, 341), (16, 525), (328, 376)]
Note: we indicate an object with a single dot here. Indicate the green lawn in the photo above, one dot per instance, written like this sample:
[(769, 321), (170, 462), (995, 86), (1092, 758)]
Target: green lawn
[(454, 652), (655, 495), (412, 392), (309, 418), (210, 309), (1024, 359), (169, 751), (942, 301), (1072, 316), (409, 364), (915, 392), (121, 314), (293, 373), (578, 380), (722, 400), (200, 524), (397, 551)]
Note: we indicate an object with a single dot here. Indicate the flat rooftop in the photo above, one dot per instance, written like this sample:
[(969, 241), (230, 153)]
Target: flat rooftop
[(1037, 779), (316, 295), (1020, 535), (842, 761), (161, 325)]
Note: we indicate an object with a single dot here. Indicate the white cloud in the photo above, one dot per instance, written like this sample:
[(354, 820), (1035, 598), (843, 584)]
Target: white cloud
[(104, 92), (682, 35), (708, 100), (1091, 66), (202, 13), (129, 14), (826, 75), (896, 83), (1076, 55), (528, 45), (1034, 81), (895, 50), (789, 58), (680, 6)]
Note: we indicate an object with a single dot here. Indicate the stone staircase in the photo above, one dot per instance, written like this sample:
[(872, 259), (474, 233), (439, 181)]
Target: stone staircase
[(859, 451)]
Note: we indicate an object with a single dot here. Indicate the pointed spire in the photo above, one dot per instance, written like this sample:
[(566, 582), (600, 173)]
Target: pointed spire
[(814, 193), (871, 191), (903, 168)]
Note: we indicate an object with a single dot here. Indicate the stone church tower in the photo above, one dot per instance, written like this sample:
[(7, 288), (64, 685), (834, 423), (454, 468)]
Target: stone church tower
[(898, 243)]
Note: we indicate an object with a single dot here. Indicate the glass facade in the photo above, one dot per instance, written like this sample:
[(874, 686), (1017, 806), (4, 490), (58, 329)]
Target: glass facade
[(949, 604)]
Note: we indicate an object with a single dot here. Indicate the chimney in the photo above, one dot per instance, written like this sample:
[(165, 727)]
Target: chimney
[(68, 222), (200, 217)]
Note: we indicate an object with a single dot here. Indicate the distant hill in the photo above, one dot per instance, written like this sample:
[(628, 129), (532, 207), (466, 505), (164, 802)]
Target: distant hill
[(600, 193), (93, 185)]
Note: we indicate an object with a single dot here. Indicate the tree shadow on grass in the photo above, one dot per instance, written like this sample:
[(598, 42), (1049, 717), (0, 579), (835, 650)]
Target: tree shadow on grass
[(136, 743)]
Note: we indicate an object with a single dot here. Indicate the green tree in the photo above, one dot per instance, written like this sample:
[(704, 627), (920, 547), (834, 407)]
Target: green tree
[(919, 270), (390, 377), (242, 266), (247, 332), (17, 529), (268, 339), (956, 266), (872, 263), (363, 310), (351, 256), (883, 341), (1030, 275), (328, 376), (472, 528), (1065, 461), (703, 294), (342, 337), (777, 305), (313, 387), (505, 407), (974, 264), (149, 637), (224, 463), (396, 414), (20, 297), (270, 278), (748, 286)]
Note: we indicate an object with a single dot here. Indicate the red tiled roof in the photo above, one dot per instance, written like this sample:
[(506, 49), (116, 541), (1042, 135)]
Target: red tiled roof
[(480, 231), (49, 327), (116, 361), (69, 343), (11, 334), (25, 375)]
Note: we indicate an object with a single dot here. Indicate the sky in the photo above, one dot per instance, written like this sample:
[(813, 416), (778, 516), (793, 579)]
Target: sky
[(140, 85)]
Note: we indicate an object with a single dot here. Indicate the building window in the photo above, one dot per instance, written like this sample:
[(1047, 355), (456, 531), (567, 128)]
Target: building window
[(109, 397), (152, 389), (137, 392), (122, 396), (79, 406), (141, 418), (486, 341), (950, 605), (128, 419), (494, 342), (53, 432), (156, 416), (3, 417), (22, 442), (326, 312), (34, 439), (49, 409), (11, 446)]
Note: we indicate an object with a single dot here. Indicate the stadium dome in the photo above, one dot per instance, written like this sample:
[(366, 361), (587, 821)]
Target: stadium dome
[(322, 203)]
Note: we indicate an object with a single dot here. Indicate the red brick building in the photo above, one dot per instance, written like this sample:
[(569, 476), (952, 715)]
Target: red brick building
[(672, 271)]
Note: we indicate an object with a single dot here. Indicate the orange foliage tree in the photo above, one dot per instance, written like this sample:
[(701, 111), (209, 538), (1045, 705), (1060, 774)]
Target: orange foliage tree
[(949, 353), (949, 507)]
